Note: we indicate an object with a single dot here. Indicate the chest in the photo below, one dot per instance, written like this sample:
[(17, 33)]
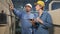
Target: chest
[(43, 17), (26, 16)]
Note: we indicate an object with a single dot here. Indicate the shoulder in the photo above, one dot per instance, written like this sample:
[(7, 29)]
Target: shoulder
[(31, 14), (35, 14), (46, 13)]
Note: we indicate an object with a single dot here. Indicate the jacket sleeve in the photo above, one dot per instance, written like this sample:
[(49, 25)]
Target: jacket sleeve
[(48, 22), (17, 12)]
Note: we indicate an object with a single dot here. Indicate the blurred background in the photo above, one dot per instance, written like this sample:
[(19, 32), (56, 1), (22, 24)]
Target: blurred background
[(9, 23)]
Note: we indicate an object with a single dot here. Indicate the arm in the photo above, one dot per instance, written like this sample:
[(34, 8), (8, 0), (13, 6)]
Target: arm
[(48, 22), (17, 12)]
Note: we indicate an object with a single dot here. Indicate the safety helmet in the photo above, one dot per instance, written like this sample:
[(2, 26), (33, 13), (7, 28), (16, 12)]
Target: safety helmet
[(41, 3), (29, 5)]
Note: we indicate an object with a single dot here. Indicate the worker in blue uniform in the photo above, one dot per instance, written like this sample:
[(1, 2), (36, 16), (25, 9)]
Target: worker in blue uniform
[(24, 17), (43, 18)]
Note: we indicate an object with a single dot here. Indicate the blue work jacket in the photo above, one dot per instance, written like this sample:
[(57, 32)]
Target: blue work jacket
[(47, 23), (25, 22)]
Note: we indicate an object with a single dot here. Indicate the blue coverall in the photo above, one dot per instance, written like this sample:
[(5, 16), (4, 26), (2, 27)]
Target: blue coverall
[(47, 23), (25, 22)]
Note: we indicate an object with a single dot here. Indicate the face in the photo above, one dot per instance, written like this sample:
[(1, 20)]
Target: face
[(38, 7), (28, 8)]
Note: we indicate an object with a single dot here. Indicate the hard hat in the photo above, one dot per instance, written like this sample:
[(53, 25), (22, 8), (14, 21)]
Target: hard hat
[(29, 5), (41, 3)]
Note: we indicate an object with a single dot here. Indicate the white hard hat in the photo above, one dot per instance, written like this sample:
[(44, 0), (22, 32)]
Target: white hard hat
[(28, 5)]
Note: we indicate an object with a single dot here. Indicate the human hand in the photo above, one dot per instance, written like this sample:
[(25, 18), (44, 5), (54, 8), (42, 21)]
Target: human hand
[(11, 7), (39, 20)]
